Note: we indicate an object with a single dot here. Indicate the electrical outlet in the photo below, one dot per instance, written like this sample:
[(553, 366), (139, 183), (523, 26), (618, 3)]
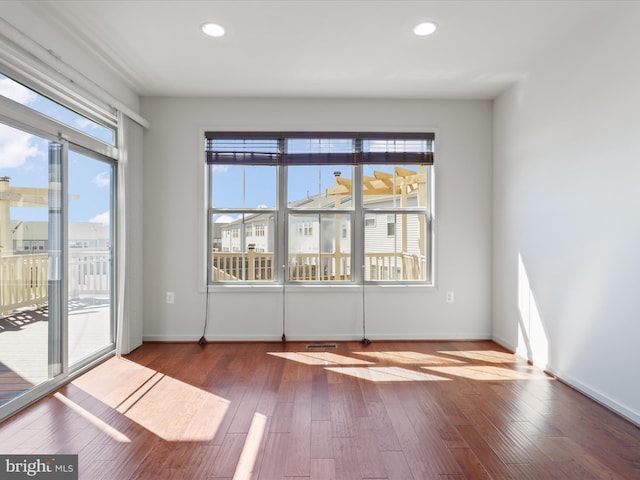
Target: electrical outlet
[(171, 297), (449, 297)]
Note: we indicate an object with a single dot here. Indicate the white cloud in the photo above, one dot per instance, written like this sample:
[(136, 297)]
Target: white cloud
[(16, 92), (103, 179), (225, 219), (16, 147), (84, 124), (103, 218)]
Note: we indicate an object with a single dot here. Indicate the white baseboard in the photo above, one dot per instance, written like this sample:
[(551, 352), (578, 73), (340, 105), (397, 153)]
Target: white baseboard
[(622, 410), (210, 338), (428, 337), (298, 337)]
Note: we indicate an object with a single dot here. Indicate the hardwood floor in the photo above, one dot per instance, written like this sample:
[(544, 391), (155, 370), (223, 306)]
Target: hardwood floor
[(389, 410)]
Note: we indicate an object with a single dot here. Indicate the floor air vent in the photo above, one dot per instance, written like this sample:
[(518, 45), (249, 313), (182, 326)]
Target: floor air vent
[(321, 346)]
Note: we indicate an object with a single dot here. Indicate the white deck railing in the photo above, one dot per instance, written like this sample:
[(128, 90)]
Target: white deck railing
[(252, 266), (24, 278)]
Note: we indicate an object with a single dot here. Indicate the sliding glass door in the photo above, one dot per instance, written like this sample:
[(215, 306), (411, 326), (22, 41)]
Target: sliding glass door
[(57, 257), (56, 260), (90, 256)]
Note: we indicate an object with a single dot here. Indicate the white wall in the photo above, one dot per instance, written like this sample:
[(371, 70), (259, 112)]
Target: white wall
[(566, 200), (174, 225)]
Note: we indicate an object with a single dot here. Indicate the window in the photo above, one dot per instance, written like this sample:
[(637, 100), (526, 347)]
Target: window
[(398, 200), (303, 192), (242, 201), (305, 229), (391, 225)]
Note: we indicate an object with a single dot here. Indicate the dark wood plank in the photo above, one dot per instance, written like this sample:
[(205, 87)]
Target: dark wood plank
[(321, 439), (323, 469), (298, 461)]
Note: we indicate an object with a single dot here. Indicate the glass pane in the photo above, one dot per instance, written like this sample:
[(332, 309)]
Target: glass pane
[(19, 93), (242, 247), (90, 256), (394, 186), (26, 266), (319, 247), (320, 186), (243, 186), (395, 247)]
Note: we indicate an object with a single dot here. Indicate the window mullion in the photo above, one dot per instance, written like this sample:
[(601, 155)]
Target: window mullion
[(282, 219), (319, 262), (357, 228)]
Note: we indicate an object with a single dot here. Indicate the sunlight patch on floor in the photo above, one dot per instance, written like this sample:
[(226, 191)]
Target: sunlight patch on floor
[(247, 461), (320, 358), (193, 414), (149, 398), (386, 374), (475, 372), (490, 356), (116, 381), (409, 358), (91, 418)]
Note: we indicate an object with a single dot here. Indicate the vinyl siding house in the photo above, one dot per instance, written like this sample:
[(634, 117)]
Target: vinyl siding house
[(32, 237)]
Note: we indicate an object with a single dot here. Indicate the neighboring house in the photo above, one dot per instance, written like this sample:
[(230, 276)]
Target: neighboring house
[(258, 231), (32, 237), (384, 233)]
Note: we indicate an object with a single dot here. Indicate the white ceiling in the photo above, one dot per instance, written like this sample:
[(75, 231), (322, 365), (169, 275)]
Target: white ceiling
[(333, 48)]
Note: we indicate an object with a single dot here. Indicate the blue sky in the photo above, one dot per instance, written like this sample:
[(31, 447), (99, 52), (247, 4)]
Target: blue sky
[(260, 184), (24, 158)]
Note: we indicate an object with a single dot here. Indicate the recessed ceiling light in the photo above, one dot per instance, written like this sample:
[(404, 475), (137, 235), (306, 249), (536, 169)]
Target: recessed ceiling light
[(424, 29), (213, 29)]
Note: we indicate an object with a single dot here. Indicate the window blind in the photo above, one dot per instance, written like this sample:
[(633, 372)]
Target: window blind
[(308, 148), (406, 149)]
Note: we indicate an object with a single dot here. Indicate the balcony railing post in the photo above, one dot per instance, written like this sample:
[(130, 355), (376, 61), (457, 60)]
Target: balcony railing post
[(251, 259)]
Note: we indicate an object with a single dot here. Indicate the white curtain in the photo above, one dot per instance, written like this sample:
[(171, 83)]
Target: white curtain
[(129, 234)]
